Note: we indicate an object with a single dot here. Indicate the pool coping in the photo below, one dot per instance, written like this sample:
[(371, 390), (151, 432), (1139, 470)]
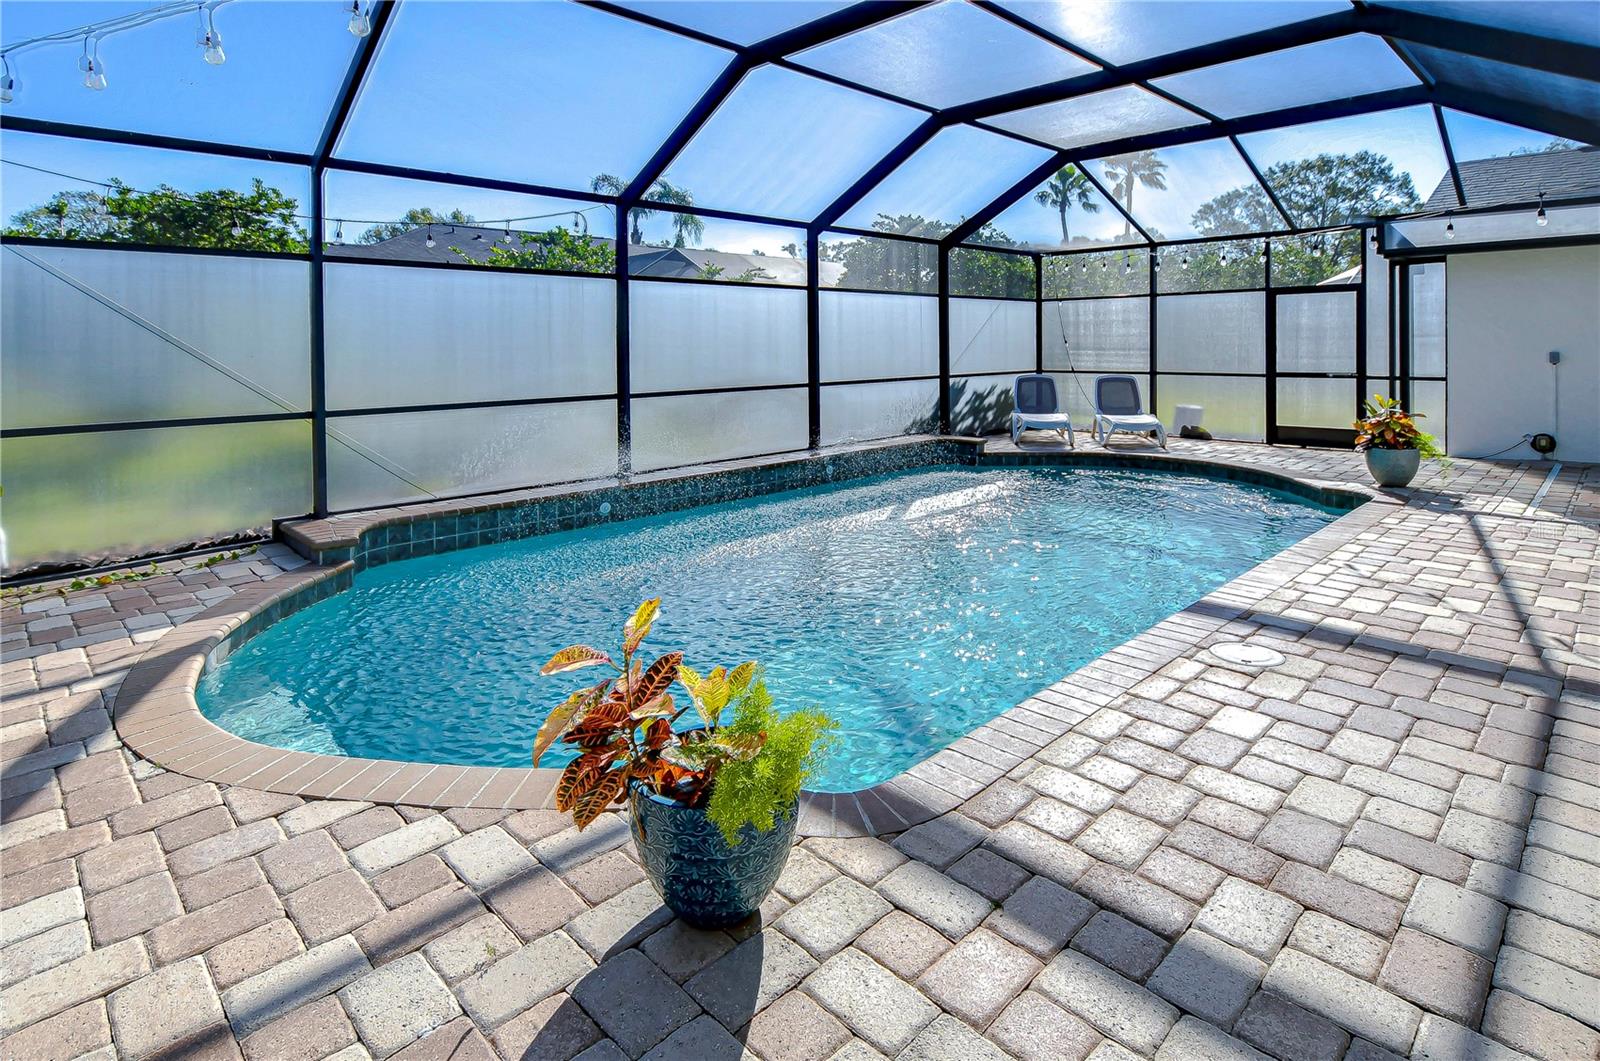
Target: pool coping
[(157, 716)]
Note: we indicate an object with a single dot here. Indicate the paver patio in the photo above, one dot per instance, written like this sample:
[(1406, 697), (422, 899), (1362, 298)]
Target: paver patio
[(1387, 845)]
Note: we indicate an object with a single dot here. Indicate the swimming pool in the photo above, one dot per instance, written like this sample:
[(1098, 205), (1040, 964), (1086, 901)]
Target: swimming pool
[(914, 606)]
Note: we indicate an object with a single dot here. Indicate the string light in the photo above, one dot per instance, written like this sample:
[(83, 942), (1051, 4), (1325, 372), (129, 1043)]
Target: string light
[(207, 37), (1184, 263), (1223, 259), (506, 239), (338, 233), (94, 71), (1372, 239), (8, 84), (237, 230), (1541, 218), (1127, 263), (430, 240), (1262, 257), (360, 24), (1449, 226)]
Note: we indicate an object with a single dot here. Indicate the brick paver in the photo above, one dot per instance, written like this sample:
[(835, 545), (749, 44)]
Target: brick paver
[(1388, 843)]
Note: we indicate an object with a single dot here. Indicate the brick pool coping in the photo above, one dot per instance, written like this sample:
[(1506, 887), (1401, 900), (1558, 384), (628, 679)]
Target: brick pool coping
[(158, 717)]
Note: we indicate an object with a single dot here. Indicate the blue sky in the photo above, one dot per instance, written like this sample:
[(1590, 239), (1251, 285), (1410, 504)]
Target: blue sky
[(554, 93)]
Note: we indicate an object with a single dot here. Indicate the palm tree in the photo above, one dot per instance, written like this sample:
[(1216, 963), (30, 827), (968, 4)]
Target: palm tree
[(606, 184), (687, 227), (1068, 188), (1126, 171)]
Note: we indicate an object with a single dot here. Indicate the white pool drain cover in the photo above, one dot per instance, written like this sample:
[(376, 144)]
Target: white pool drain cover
[(1247, 655)]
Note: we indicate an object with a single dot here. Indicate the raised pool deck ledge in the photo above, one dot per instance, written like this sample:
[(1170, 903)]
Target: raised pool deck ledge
[(157, 715)]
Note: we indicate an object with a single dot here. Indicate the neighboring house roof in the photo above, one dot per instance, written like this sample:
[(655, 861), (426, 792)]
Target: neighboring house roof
[(454, 242), (1520, 178)]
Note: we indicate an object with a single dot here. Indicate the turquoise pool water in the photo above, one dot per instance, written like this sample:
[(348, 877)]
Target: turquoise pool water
[(914, 606)]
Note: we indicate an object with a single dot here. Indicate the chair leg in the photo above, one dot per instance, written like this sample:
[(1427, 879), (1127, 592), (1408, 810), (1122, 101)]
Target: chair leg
[(1072, 443)]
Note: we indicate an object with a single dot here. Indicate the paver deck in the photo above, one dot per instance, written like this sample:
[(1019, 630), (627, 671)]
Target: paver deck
[(1387, 845)]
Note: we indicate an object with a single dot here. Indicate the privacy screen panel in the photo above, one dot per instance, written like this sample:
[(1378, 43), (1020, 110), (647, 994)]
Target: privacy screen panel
[(397, 336), (101, 336), (992, 336), (688, 429), (108, 494), (1106, 334), (854, 412), (873, 336), (1212, 333), (395, 457), (695, 336), (1234, 407)]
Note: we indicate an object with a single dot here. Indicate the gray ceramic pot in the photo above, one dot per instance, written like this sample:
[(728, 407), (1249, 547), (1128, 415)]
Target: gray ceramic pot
[(1393, 467), (700, 877)]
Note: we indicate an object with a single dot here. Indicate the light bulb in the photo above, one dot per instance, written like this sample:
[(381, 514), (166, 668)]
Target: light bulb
[(95, 77), (338, 233), (1127, 264), (1372, 239), (506, 238), (1540, 218), (1316, 250), (1449, 228), (1263, 255), (214, 54), (430, 241), (237, 230), (1083, 267), (1223, 258), (1184, 264), (8, 88), (1103, 264), (360, 24)]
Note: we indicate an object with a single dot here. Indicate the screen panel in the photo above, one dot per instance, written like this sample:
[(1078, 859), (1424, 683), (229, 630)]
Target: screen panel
[(450, 91), (992, 336), (1212, 333), (862, 411), (391, 458), (1317, 333), (109, 494), (1188, 190), (871, 336), (1075, 392), (682, 244), (1108, 334), (1064, 211), (871, 263), (397, 336), (1294, 77), (981, 405), (1234, 407), (691, 429), (1218, 266), (695, 336), (1328, 403), (991, 274), (105, 336)]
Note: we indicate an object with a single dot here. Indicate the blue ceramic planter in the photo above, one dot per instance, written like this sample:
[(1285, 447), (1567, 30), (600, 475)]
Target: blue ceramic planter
[(700, 877)]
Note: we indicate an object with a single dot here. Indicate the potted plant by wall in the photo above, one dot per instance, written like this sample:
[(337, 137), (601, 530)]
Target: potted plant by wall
[(713, 808), (1393, 442)]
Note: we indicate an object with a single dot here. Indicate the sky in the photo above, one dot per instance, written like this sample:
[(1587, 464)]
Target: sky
[(553, 93)]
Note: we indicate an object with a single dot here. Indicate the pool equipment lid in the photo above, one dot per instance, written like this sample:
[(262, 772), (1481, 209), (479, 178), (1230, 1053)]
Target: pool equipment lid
[(1247, 655)]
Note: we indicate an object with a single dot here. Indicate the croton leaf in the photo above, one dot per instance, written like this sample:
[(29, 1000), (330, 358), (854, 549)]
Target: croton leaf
[(657, 735), (740, 677), (573, 657), (689, 677), (579, 774), (657, 679), (661, 707), (588, 805), (564, 716), (740, 747), (638, 626)]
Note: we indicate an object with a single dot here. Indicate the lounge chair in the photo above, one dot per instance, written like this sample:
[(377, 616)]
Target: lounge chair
[(1036, 408), (1117, 407)]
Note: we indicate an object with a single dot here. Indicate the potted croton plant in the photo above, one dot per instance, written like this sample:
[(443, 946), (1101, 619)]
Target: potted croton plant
[(713, 807), (1393, 442)]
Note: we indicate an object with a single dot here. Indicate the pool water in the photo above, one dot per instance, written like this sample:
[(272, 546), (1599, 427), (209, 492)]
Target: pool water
[(913, 606)]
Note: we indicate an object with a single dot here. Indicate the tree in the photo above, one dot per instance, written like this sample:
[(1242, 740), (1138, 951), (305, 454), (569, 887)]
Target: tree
[(1126, 171), (262, 219), (416, 217), (1323, 191), (555, 249), (1067, 189), (687, 228)]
